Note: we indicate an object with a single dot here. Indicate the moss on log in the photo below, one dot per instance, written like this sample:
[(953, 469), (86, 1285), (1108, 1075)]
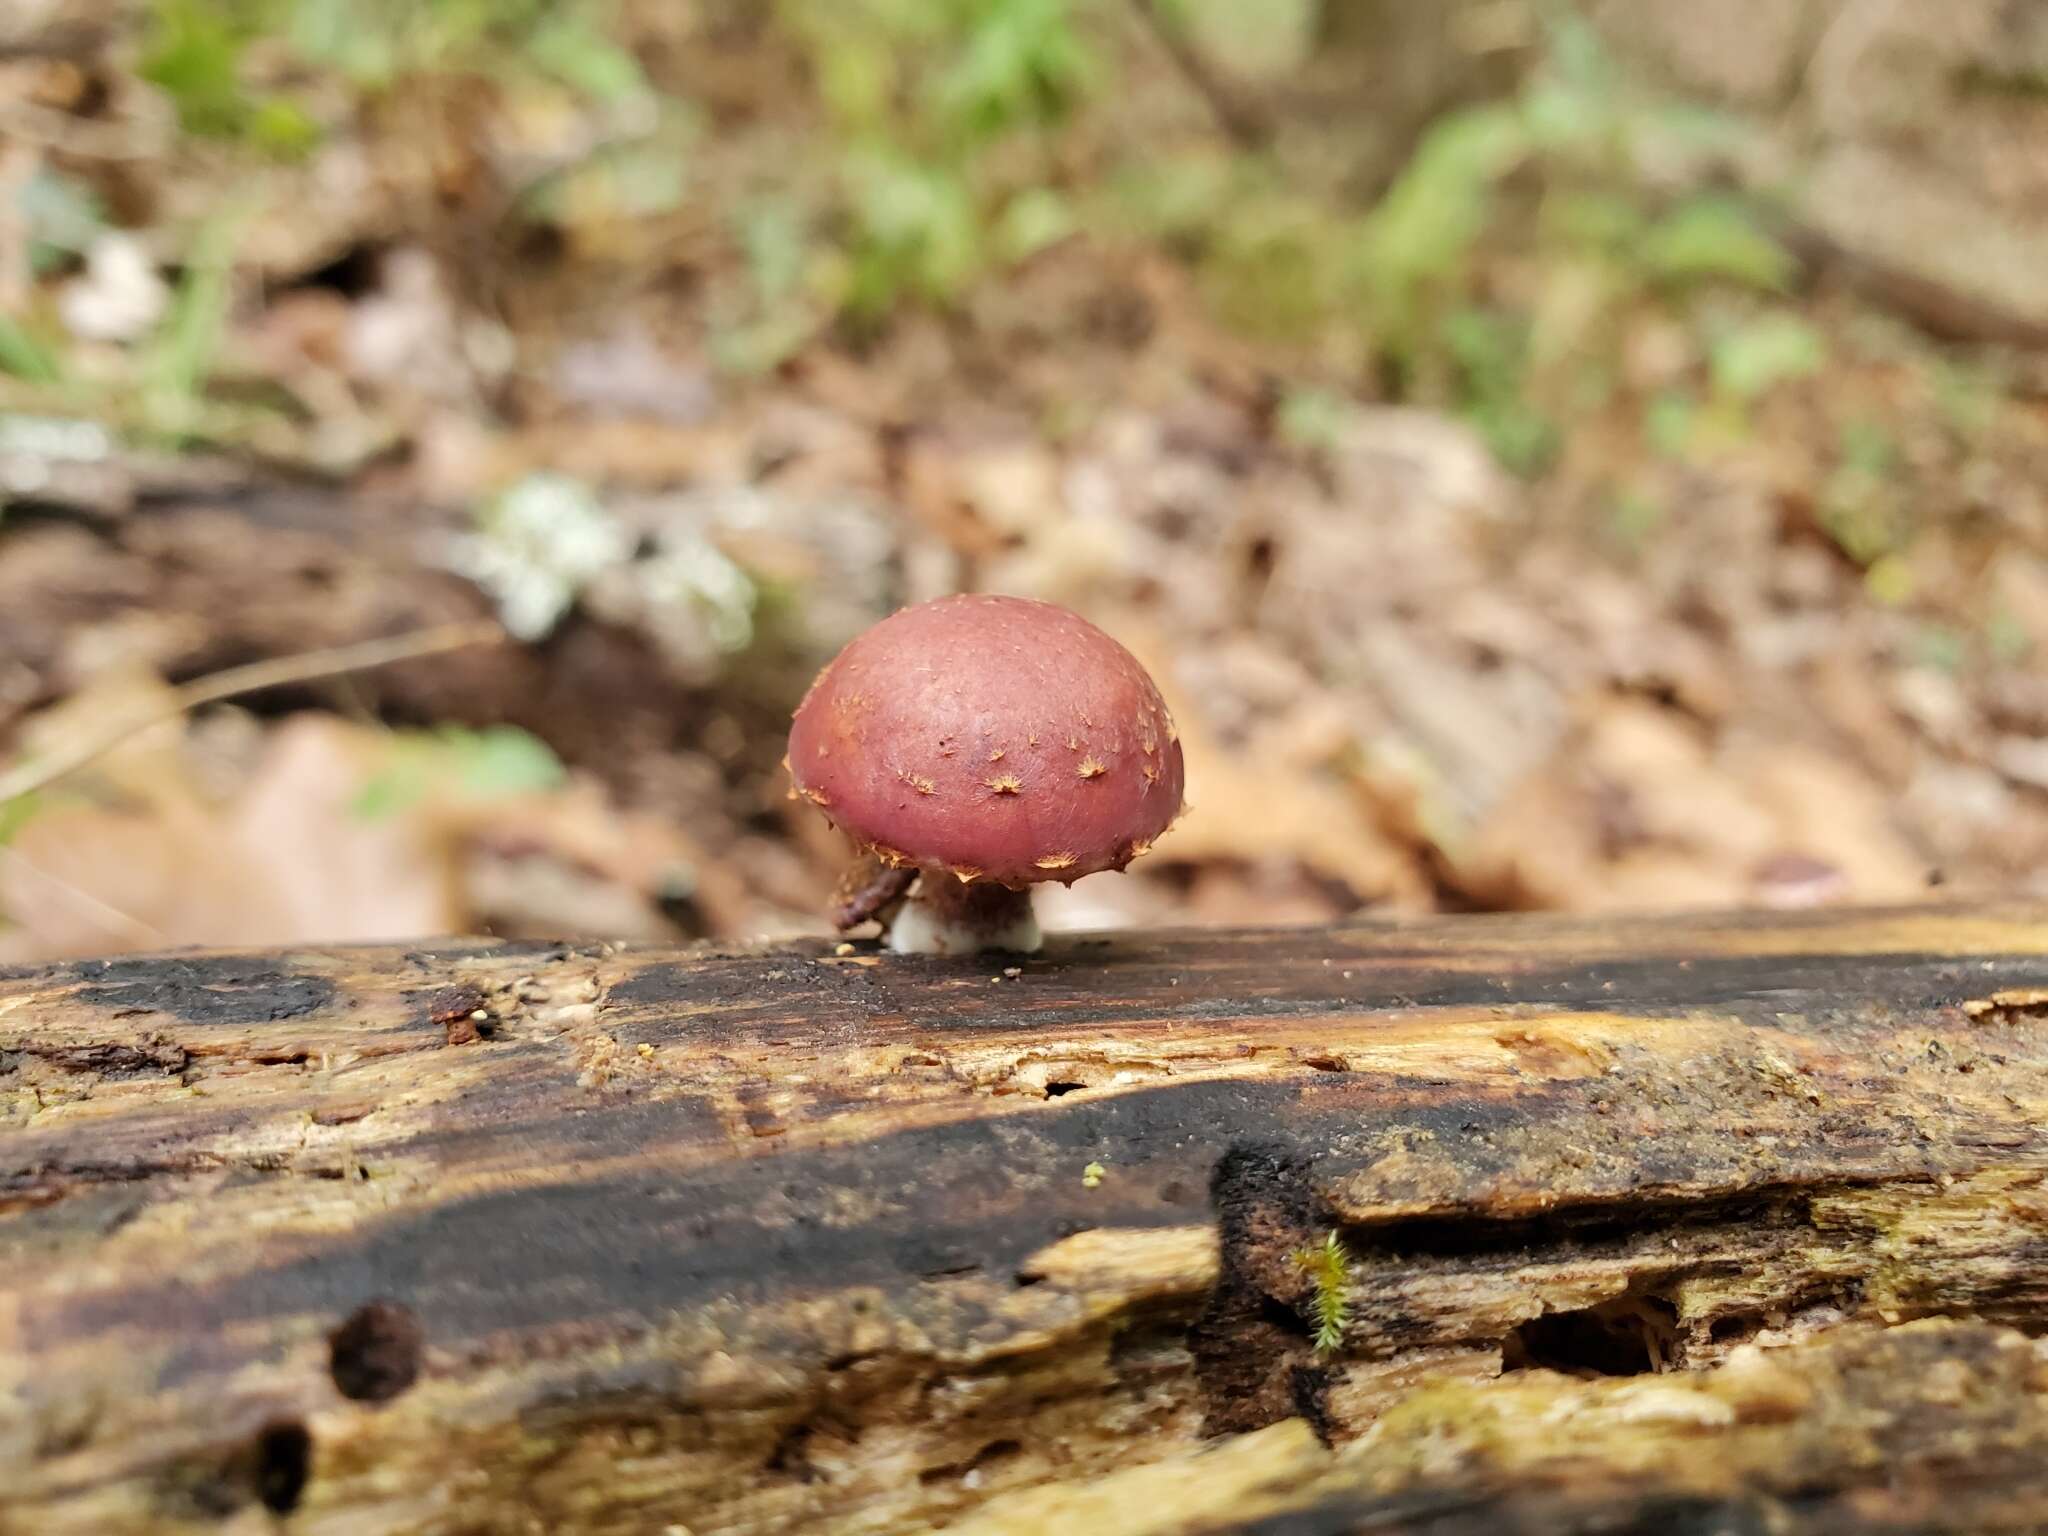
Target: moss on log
[(478, 1238)]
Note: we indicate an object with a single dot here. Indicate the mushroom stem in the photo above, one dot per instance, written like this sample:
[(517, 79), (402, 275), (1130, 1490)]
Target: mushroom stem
[(949, 916)]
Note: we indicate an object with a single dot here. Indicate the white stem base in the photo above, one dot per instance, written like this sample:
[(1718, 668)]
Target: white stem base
[(992, 919)]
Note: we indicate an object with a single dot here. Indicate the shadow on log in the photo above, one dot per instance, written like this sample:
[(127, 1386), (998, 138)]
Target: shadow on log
[(1487, 1224)]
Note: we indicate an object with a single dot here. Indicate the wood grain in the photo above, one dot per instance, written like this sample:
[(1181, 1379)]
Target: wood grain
[(480, 1238)]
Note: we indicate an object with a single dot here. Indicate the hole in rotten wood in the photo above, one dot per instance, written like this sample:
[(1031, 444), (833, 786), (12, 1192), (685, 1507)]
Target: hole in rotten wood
[(1736, 1325), (1629, 1336), (284, 1460), (1056, 1090), (375, 1354)]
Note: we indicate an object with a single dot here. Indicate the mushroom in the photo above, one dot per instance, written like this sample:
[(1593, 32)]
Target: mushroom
[(975, 746)]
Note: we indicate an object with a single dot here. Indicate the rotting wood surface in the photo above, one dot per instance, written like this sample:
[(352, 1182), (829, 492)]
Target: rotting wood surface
[(482, 1238)]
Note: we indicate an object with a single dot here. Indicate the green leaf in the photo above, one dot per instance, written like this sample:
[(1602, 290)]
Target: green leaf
[(16, 814), (182, 355), (1035, 219), (194, 51), (1440, 204), (1491, 352), (918, 234), (585, 60), (772, 235), (504, 760), (24, 357), (1709, 238), (1605, 221), (1764, 352), (492, 763), (1634, 517), (1021, 63), (1312, 419), (282, 128), (1868, 449), (1668, 423)]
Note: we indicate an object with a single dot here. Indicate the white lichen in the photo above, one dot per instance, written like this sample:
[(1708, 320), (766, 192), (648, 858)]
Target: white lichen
[(536, 546)]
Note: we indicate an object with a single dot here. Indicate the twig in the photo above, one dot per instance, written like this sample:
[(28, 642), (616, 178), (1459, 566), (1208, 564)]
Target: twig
[(110, 918), (257, 675), (1240, 119)]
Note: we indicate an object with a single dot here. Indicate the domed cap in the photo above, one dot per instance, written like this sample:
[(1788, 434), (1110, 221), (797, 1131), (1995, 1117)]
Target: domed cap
[(996, 737)]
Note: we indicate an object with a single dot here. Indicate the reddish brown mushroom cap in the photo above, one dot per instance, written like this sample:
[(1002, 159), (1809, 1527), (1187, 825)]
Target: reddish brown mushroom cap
[(999, 738)]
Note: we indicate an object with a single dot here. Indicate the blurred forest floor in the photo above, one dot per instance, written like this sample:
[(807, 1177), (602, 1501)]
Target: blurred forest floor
[(1575, 456)]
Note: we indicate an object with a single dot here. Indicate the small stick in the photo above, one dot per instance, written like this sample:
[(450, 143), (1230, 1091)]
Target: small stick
[(110, 918), (1244, 123), (252, 678)]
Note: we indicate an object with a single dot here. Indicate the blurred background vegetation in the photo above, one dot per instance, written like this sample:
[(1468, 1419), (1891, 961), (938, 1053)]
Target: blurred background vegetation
[(1556, 454)]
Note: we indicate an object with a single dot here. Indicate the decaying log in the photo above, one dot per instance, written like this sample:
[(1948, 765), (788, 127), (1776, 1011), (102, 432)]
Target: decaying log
[(1635, 1224)]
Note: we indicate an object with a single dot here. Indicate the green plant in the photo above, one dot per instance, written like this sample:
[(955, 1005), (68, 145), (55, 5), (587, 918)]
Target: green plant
[(1490, 351), (179, 359), (201, 52), (497, 761), (1312, 419), (1712, 238), (934, 99), (16, 814), (1328, 1267), (1861, 506), (196, 50), (23, 356), (1753, 357), (1633, 516), (1669, 421), (774, 313), (1413, 248)]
